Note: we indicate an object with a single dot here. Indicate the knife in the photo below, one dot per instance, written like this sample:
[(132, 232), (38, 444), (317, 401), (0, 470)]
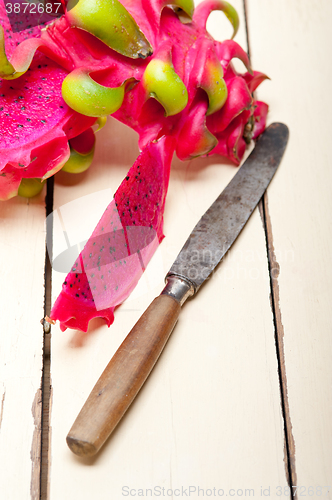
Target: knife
[(206, 246)]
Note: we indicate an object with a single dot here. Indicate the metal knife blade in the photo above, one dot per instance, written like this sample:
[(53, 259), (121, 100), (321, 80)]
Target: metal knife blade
[(130, 366), (216, 231)]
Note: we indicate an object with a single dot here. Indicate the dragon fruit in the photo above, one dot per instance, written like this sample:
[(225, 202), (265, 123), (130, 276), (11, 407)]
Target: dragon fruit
[(35, 122), (153, 66)]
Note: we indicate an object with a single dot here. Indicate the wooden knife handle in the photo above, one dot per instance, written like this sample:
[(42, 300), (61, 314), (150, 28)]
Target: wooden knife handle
[(123, 377)]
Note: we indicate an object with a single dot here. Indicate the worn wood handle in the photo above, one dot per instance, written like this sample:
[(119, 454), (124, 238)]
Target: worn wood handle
[(123, 377)]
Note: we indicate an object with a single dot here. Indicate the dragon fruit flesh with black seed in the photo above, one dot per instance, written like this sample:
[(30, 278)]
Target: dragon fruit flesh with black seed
[(153, 66)]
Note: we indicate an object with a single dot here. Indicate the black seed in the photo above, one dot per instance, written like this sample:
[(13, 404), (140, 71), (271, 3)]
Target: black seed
[(1, 108), (43, 121), (76, 275), (22, 108), (28, 120), (77, 295), (127, 178), (20, 97), (71, 286), (20, 126), (65, 282)]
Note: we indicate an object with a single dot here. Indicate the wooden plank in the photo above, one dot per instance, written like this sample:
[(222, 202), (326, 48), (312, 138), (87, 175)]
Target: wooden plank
[(290, 46), (209, 416), (22, 251)]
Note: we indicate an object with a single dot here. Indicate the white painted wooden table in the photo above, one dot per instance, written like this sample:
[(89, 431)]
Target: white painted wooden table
[(240, 403)]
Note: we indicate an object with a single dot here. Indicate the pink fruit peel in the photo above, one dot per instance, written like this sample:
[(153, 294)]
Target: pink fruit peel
[(123, 242)]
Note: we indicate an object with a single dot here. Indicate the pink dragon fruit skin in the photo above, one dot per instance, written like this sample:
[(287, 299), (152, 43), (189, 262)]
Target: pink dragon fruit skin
[(169, 81), (35, 122)]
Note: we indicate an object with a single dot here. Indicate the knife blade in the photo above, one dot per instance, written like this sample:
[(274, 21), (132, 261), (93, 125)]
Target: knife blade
[(209, 241)]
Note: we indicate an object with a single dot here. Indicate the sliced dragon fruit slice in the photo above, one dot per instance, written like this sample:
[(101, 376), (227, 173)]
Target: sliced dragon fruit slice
[(123, 242)]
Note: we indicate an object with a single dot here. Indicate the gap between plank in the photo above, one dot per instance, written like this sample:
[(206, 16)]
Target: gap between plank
[(46, 376), (274, 268)]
